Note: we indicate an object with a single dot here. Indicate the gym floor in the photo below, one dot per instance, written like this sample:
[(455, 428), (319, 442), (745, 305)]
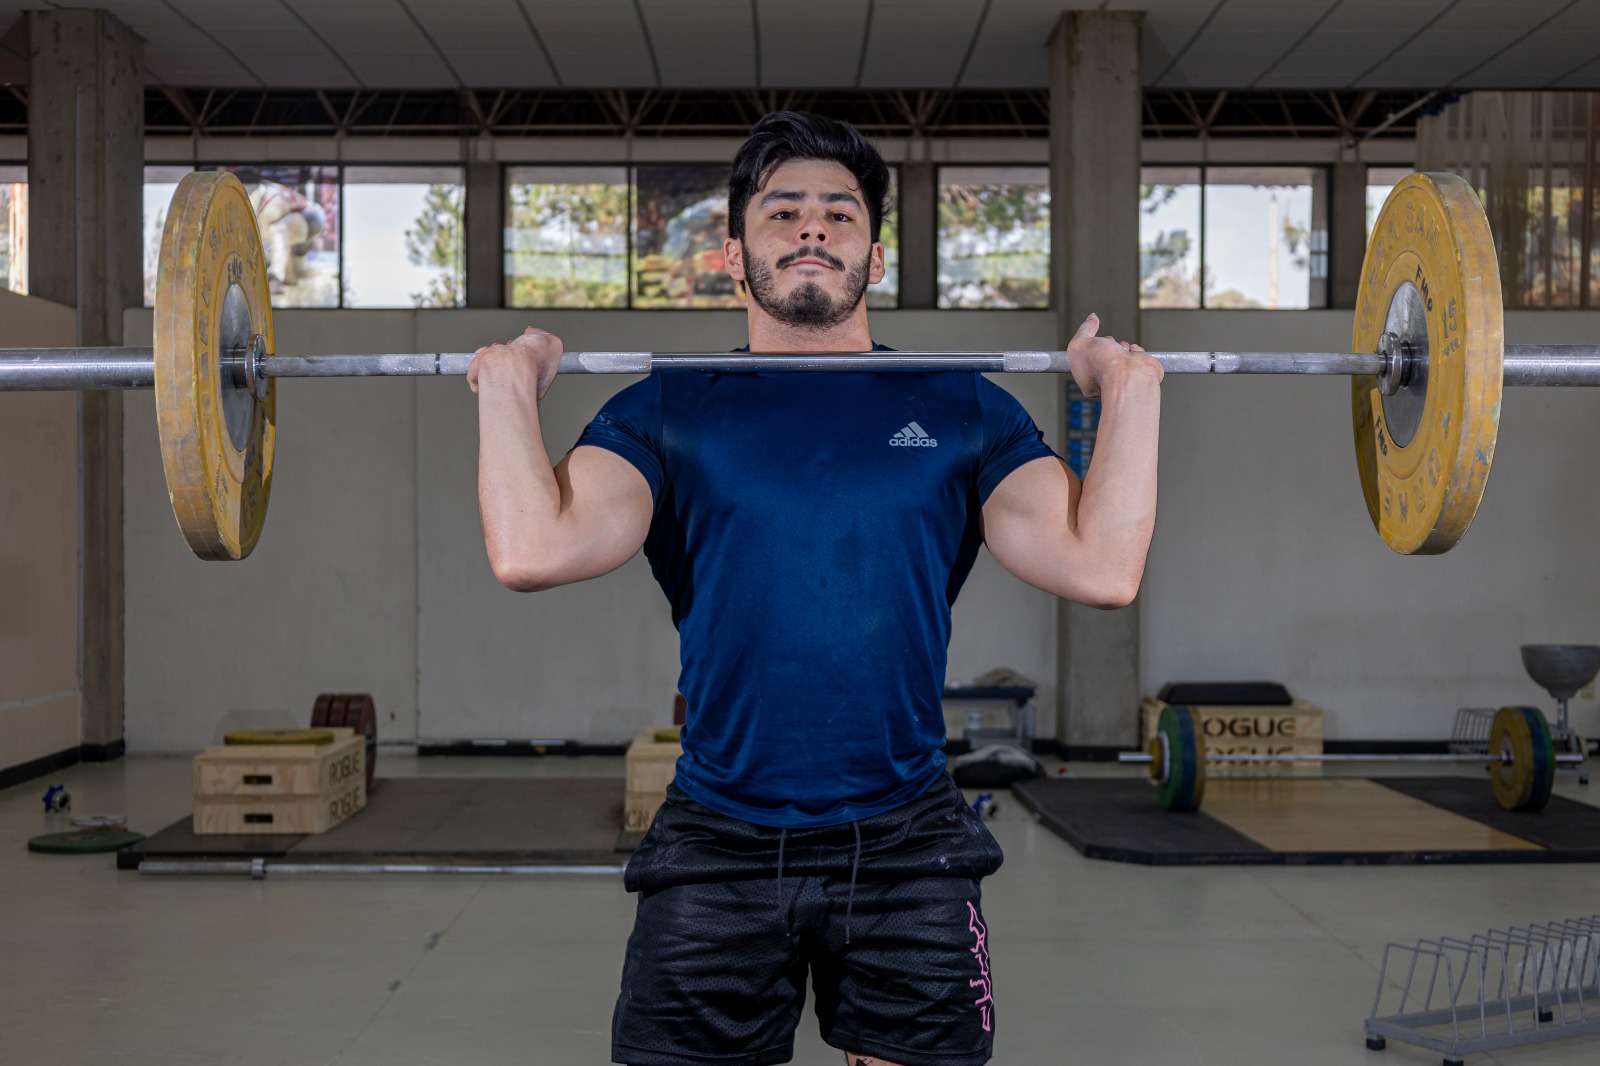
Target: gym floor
[(1134, 965)]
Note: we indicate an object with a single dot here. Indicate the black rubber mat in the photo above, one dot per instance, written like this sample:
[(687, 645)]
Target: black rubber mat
[(523, 821), (1563, 826), (1119, 819)]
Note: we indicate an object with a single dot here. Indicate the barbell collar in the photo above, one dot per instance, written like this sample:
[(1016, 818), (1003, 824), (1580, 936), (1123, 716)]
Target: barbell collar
[(51, 369)]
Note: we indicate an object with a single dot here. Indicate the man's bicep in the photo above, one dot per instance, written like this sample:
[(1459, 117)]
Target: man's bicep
[(606, 508), (1029, 518)]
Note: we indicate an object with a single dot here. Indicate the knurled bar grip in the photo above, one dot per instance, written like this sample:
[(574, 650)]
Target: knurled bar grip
[(47, 369)]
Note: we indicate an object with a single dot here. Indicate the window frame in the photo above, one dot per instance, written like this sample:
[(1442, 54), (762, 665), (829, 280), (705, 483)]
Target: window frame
[(628, 252), (23, 164), (1321, 205), (939, 168), (340, 167), (632, 169), (432, 164)]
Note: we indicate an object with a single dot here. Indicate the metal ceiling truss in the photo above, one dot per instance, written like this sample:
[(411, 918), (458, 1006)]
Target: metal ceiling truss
[(1168, 113)]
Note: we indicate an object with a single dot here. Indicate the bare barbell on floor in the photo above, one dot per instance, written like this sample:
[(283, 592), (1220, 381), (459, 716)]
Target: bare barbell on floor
[(1428, 363)]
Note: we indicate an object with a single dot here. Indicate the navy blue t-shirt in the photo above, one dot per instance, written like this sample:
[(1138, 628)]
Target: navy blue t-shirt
[(811, 531)]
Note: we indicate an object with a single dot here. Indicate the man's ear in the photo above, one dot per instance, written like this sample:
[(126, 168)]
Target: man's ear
[(875, 267), (733, 260)]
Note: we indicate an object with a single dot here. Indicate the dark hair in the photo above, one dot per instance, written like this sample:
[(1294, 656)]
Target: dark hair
[(785, 135)]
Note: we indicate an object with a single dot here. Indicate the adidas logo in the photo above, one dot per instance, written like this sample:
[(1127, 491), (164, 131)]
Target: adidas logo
[(913, 436)]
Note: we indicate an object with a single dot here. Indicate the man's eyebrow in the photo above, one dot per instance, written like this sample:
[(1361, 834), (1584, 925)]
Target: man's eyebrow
[(796, 196)]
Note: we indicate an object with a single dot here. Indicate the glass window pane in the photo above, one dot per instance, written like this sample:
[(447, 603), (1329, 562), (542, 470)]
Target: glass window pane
[(994, 237), (159, 185), (1264, 248), (566, 237), (14, 228), (886, 293), (1552, 252), (404, 237), (1379, 181), (680, 220), (297, 209), (1169, 237)]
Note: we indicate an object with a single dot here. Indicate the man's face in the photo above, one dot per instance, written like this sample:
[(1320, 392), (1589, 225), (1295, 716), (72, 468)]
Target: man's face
[(807, 256)]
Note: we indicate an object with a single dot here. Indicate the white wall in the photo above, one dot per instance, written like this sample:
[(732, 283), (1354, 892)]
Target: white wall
[(40, 700), (371, 573)]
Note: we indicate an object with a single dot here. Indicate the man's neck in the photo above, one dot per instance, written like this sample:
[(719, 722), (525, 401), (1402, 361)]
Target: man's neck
[(767, 334)]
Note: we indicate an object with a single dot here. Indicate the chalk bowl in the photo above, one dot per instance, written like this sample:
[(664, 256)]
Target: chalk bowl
[(1562, 669)]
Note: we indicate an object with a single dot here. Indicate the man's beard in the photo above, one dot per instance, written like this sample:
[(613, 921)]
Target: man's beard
[(809, 306)]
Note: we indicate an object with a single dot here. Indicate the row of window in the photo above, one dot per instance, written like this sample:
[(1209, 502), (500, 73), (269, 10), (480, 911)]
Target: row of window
[(651, 236)]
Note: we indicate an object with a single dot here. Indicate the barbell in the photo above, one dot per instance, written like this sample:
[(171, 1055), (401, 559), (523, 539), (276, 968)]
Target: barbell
[(1521, 758), (1427, 365)]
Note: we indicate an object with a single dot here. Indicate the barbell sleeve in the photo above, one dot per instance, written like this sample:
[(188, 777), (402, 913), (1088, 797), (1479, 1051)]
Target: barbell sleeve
[(53, 369)]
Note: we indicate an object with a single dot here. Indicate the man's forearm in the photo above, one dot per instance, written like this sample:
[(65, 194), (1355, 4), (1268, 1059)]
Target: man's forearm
[(519, 498), (1117, 510)]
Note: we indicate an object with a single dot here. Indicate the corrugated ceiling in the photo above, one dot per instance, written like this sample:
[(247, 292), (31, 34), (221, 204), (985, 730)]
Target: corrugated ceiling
[(817, 44)]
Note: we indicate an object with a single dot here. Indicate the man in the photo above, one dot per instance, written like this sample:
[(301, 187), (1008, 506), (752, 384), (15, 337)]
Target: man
[(811, 532)]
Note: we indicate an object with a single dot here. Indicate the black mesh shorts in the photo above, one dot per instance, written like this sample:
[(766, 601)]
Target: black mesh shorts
[(897, 954)]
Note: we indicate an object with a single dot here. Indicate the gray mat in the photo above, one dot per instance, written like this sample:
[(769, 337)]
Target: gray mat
[(550, 820)]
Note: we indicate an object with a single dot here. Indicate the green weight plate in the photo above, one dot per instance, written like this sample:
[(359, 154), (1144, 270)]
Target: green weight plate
[(1184, 782), (84, 841), (1544, 759), (1522, 767)]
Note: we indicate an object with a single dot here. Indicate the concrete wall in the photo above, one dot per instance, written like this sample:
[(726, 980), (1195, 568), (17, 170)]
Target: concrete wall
[(39, 694), (371, 573)]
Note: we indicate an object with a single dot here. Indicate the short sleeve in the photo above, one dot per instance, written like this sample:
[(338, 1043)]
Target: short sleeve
[(1010, 437), (630, 426)]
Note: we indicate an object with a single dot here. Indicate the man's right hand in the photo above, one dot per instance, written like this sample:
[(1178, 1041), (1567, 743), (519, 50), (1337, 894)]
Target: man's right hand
[(528, 362), (1101, 361)]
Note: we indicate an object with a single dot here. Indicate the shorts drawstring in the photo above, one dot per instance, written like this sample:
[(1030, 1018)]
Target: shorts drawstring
[(855, 865), (783, 835)]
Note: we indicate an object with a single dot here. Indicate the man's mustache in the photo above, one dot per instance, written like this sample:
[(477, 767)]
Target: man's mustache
[(798, 254)]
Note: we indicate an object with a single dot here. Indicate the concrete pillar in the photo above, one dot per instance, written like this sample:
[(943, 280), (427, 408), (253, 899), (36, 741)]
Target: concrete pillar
[(919, 223), (1095, 131), (485, 220), (85, 206), (1347, 233)]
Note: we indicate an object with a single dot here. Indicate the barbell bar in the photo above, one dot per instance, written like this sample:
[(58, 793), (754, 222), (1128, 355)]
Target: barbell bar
[(1427, 365), (1521, 758), (58, 369)]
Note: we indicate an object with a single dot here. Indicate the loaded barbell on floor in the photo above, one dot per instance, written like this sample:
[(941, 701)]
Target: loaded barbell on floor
[(1521, 758), (1428, 363)]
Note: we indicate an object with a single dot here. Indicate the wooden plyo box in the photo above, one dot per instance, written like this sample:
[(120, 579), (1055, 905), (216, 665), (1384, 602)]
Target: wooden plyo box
[(652, 764), (1292, 730), (288, 788)]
